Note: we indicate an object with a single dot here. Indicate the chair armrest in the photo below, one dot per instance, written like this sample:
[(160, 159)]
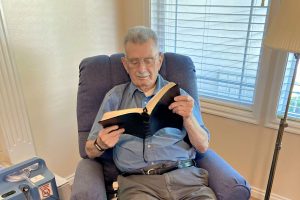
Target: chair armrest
[(88, 182), (225, 181)]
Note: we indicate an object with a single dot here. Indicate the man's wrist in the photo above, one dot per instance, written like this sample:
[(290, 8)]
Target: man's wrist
[(188, 121), (98, 147)]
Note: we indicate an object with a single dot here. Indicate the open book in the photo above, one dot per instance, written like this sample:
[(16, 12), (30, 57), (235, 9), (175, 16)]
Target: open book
[(144, 122)]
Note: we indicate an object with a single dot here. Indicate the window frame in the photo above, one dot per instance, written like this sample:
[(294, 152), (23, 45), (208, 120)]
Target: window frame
[(272, 120), (246, 113)]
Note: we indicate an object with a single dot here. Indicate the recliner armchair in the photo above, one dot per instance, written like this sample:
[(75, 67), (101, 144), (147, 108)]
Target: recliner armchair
[(93, 178)]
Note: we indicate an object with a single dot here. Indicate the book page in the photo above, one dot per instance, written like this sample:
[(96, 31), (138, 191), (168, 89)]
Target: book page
[(116, 113), (151, 104)]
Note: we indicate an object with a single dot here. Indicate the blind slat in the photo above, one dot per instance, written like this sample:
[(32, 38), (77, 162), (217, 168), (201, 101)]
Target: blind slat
[(208, 28), (204, 13), (203, 49), (214, 6), (210, 36)]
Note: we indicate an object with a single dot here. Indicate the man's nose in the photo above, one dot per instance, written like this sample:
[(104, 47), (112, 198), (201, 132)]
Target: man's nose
[(141, 64)]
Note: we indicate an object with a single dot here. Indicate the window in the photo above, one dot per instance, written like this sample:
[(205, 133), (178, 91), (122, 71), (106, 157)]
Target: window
[(223, 38), (294, 107)]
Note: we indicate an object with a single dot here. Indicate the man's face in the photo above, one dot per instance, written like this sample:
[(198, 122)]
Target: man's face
[(142, 63)]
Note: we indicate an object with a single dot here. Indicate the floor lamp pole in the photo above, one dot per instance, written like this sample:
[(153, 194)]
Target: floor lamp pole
[(283, 124)]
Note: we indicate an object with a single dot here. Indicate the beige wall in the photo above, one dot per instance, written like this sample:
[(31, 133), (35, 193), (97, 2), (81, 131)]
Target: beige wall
[(249, 149), (134, 13), (47, 51)]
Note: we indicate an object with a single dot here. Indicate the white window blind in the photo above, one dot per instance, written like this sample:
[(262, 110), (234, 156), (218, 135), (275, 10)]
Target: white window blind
[(223, 38), (294, 107)]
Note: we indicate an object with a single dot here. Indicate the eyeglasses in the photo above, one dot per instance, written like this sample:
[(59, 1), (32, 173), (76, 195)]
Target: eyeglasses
[(135, 62)]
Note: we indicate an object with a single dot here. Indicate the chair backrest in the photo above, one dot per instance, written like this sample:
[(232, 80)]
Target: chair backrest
[(97, 75)]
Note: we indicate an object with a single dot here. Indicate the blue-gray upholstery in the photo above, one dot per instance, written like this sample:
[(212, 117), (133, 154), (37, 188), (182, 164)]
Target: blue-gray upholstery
[(97, 75)]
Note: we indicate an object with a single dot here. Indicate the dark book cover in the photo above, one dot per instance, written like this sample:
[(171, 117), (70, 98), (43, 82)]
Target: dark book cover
[(144, 124)]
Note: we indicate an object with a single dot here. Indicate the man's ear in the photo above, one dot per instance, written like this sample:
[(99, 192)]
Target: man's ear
[(123, 59)]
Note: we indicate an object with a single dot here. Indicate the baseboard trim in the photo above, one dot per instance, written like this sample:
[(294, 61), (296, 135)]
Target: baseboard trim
[(70, 179), (260, 194)]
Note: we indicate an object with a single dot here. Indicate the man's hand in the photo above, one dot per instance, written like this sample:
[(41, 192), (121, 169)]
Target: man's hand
[(183, 106), (107, 138)]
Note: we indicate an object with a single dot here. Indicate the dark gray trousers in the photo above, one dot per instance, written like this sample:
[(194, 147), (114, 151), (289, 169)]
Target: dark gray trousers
[(184, 184)]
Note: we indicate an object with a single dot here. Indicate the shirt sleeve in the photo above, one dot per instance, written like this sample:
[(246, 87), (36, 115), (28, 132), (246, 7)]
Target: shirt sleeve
[(109, 103)]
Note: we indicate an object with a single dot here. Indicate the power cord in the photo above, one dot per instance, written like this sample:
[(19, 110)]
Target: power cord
[(25, 189)]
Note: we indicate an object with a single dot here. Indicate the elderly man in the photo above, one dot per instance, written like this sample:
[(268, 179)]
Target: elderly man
[(165, 153)]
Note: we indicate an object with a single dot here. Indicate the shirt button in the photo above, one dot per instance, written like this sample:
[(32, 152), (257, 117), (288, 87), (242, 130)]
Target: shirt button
[(149, 146), (152, 163)]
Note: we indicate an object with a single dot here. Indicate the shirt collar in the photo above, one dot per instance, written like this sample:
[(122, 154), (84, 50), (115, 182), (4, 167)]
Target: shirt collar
[(159, 84)]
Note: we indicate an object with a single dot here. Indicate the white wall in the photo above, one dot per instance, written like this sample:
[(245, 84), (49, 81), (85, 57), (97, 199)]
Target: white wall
[(48, 39)]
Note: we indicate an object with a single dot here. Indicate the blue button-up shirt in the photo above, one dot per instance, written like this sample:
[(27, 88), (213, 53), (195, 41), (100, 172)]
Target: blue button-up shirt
[(131, 153)]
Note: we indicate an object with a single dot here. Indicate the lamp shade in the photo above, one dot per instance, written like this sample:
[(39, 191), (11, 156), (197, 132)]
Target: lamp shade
[(284, 30)]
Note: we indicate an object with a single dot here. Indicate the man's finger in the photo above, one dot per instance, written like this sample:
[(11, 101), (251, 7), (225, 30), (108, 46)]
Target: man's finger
[(117, 132), (109, 129), (183, 98)]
